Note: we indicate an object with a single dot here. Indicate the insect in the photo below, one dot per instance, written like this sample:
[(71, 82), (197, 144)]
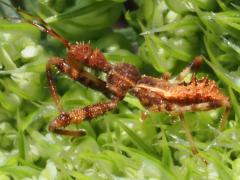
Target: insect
[(155, 94)]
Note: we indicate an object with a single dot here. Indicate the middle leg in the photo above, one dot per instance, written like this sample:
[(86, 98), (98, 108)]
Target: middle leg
[(76, 116)]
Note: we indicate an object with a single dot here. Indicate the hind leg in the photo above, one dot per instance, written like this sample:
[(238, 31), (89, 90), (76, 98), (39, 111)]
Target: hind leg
[(224, 118), (189, 137), (188, 134)]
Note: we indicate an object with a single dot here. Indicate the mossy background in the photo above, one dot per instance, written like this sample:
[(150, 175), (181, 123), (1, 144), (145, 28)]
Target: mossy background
[(154, 35)]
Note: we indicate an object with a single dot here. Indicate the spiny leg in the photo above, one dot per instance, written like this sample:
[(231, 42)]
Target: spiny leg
[(81, 76), (51, 85), (76, 116), (194, 66)]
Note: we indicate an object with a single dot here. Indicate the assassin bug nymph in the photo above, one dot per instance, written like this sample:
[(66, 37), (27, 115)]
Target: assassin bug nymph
[(155, 94)]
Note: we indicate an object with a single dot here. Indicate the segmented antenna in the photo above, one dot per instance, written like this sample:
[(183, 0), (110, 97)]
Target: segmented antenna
[(39, 23)]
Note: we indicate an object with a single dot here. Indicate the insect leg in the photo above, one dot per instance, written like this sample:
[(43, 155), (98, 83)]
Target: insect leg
[(224, 118), (194, 66), (189, 137), (84, 77), (76, 116), (38, 22), (188, 134), (51, 85), (81, 76)]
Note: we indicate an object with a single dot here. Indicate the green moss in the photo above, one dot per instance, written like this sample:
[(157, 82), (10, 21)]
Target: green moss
[(158, 36)]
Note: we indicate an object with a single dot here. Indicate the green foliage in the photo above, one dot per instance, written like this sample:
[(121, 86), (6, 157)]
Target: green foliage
[(77, 15), (158, 36)]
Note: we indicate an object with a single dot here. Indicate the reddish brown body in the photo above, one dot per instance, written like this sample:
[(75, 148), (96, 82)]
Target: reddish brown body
[(161, 95), (155, 94)]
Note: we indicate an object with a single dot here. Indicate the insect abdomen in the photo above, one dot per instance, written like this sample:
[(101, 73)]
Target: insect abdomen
[(197, 95)]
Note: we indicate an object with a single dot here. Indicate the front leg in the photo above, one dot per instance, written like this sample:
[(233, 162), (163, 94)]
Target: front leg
[(79, 75), (51, 85), (76, 116)]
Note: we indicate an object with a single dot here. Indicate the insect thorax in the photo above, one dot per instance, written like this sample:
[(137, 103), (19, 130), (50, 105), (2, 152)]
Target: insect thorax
[(121, 78)]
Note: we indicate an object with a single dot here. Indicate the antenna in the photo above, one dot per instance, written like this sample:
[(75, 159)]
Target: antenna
[(39, 23)]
